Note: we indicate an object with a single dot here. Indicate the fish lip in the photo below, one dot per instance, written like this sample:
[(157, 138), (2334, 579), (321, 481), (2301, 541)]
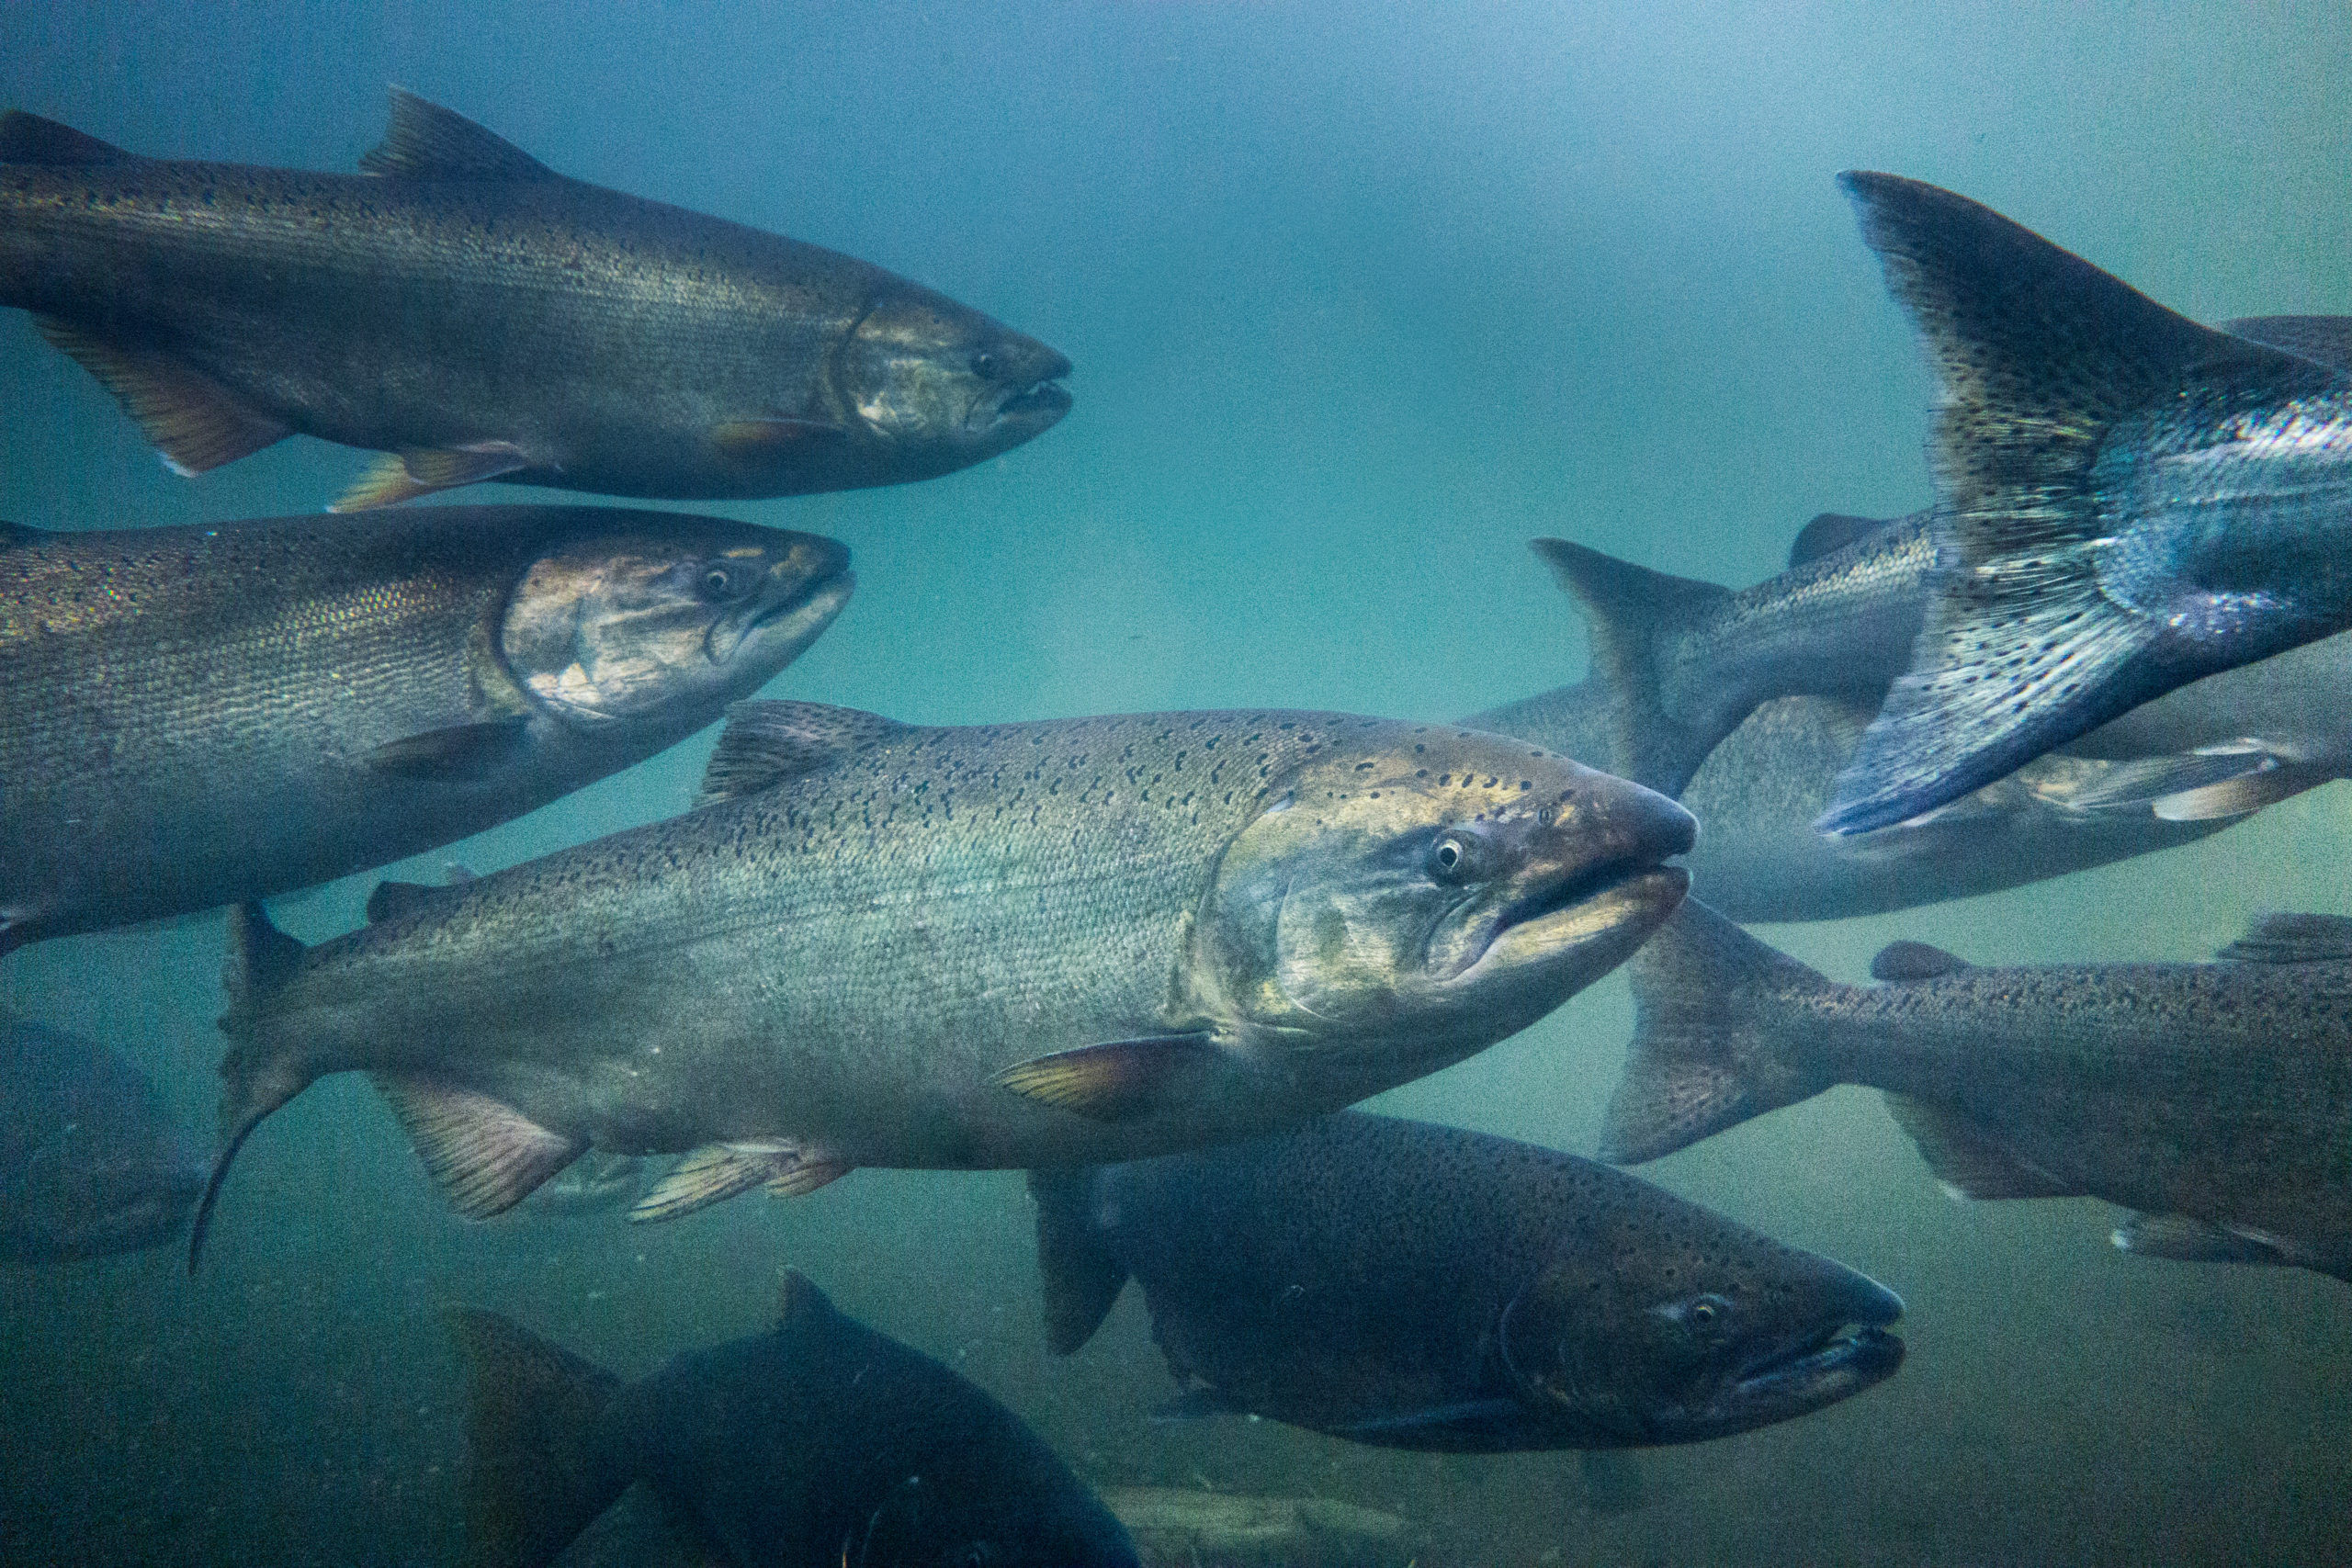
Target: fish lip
[(829, 592), (1039, 405), (1802, 1370), (1608, 896)]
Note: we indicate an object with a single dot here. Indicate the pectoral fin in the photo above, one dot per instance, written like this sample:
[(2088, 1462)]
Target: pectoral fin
[(395, 476), (487, 1155), (463, 753), (2229, 779), (192, 420), (1965, 1160), (755, 441), (719, 1171), (2193, 1241), (1116, 1081)]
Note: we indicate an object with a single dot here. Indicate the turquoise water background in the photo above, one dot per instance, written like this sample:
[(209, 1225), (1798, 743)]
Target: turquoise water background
[(1360, 299)]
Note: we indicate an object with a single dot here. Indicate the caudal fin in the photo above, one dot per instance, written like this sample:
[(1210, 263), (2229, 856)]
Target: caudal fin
[(536, 1474), (1077, 1272), (2039, 354), (1704, 1054), (1635, 618), (254, 1081)]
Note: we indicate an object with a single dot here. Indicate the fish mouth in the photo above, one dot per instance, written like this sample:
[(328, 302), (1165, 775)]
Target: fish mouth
[(1033, 408), (1801, 1373), (794, 615), (1605, 901)]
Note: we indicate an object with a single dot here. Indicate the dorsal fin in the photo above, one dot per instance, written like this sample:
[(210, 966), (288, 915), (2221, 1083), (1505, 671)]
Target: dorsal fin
[(2293, 938), (2322, 340), (1829, 533), (799, 1298), (28, 139), (1910, 960), (426, 141), (19, 535), (765, 743), (391, 900)]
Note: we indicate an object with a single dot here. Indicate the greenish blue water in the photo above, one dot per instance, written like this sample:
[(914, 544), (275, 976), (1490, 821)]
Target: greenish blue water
[(1361, 297)]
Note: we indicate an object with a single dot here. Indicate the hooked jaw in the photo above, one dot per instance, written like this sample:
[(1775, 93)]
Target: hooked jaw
[(1025, 408), (1795, 1374)]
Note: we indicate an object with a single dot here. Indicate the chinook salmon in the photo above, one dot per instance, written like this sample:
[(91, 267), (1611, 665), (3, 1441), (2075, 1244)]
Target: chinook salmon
[(2214, 1099), (817, 1443), (474, 315), (1422, 1287), (2126, 502), (90, 1161), (207, 715), (1019, 944)]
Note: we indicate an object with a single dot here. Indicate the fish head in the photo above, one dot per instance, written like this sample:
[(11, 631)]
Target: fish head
[(653, 621), (1434, 890), (96, 1188), (944, 385), (1665, 1323)]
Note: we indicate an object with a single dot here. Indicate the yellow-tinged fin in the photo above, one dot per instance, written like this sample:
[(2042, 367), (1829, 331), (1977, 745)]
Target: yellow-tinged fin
[(1077, 1271), (30, 139), (535, 1473), (460, 753), (766, 742), (716, 1172), (425, 141), (1966, 1159), (1115, 1081), (487, 1155), (395, 476), (194, 422), (2293, 938)]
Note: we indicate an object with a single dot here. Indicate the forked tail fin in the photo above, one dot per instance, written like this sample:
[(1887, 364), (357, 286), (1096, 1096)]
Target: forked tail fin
[(1079, 1276), (1635, 616), (2039, 355), (1704, 1054), (253, 1082), (536, 1474)]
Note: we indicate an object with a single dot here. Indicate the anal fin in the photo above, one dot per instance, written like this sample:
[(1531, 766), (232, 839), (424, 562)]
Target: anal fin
[(2194, 1241), (1115, 1081), (395, 476), (192, 420), (486, 1156), (1965, 1160), (719, 1171)]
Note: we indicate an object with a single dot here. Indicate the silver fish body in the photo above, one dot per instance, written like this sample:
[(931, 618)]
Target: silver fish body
[(201, 715)]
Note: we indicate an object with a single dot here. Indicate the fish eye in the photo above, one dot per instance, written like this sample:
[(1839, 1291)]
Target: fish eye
[(984, 364), (1449, 857), (1707, 1310), (1547, 816), (719, 582)]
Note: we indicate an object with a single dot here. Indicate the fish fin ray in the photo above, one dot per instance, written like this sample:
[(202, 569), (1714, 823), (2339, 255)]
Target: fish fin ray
[(2037, 354), (2230, 779), (194, 422), (1117, 1080), (260, 959), (1828, 533), (751, 440), (1965, 1160), (486, 1156), (2191, 1240), (717, 1172), (31, 139), (394, 477), (459, 753), (807, 1176), (425, 140), (1631, 614), (766, 742), (1079, 1275), (535, 1474), (1902, 961), (2322, 340), (2293, 938), (1702, 1058)]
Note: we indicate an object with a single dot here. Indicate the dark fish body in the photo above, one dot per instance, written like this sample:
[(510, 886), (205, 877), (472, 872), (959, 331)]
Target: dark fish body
[(90, 1162), (2126, 502), (467, 308), (2215, 1098), (818, 1443), (1756, 794), (1011, 945), (1415, 1286), (201, 715)]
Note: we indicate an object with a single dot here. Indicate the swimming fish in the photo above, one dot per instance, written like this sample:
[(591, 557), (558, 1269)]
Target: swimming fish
[(818, 1443), (205, 714), (2214, 1099), (90, 1162), (1006, 945), (472, 314), (2126, 502), (1423, 1287)]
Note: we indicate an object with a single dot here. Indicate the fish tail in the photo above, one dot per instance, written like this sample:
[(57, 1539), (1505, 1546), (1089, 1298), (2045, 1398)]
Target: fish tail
[(535, 1473), (1703, 1055), (1080, 1275), (1633, 615), (2039, 356), (255, 1080)]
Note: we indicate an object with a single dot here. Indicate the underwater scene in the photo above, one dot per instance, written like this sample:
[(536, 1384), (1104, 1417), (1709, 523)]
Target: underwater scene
[(1178, 784)]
